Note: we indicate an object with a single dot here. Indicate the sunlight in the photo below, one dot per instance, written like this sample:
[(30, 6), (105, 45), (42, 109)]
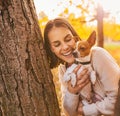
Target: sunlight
[(111, 5), (52, 8)]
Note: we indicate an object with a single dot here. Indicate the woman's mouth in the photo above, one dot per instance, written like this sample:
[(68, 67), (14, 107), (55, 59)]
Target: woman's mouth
[(68, 53)]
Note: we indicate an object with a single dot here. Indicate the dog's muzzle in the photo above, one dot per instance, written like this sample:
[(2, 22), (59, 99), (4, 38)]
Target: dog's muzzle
[(75, 54)]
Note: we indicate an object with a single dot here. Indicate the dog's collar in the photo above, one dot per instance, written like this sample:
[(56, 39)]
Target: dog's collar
[(83, 63)]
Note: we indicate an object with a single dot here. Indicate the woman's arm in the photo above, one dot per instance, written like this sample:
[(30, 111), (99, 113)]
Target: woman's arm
[(69, 100), (109, 74), (70, 96)]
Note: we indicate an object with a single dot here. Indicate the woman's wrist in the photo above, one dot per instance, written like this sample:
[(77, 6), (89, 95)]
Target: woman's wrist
[(80, 109), (71, 90)]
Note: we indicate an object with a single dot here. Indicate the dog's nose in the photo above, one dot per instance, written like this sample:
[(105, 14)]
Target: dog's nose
[(75, 54)]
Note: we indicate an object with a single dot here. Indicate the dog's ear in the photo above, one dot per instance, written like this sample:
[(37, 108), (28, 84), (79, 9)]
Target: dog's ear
[(92, 38)]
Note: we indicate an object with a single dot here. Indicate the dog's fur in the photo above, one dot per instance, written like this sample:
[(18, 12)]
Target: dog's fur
[(82, 55)]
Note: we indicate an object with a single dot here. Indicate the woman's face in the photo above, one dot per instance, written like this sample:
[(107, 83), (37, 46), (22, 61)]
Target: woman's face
[(62, 43)]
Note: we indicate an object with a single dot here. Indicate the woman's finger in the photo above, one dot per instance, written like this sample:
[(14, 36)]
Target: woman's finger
[(82, 73), (76, 69), (72, 89), (82, 85), (83, 79)]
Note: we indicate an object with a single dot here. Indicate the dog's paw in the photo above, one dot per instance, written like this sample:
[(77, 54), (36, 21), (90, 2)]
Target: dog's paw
[(66, 78), (93, 77), (73, 79)]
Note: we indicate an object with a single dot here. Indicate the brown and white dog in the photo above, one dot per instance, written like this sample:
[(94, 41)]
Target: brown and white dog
[(82, 56)]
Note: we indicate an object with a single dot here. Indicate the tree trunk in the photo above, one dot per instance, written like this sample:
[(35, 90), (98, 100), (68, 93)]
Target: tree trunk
[(26, 85), (100, 15), (117, 105)]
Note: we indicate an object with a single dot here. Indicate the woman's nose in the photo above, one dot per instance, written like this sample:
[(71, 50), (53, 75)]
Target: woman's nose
[(65, 46)]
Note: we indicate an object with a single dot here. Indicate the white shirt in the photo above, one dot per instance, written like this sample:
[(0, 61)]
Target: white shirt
[(108, 75)]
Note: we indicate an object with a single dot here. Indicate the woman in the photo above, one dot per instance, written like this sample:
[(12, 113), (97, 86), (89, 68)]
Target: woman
[(59, 43)]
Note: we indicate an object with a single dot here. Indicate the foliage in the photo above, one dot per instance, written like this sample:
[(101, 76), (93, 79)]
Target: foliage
[(82, 28), (85, 23), (114, 49), (42, 22), (112, 31)]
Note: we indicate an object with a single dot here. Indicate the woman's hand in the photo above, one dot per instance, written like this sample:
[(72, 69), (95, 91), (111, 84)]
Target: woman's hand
[(82, 80)]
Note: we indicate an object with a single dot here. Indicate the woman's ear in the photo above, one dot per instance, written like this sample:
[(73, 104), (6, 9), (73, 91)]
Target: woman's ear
[(51, 49)]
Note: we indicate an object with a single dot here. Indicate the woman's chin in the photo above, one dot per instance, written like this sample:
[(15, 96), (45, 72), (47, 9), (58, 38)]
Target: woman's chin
[(70, 61)]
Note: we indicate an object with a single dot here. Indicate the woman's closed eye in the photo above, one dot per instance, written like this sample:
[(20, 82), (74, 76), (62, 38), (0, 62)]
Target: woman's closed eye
[(68, 38), (56, 44)]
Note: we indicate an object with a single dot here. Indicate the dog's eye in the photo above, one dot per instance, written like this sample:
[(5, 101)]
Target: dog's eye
[(82, 48)]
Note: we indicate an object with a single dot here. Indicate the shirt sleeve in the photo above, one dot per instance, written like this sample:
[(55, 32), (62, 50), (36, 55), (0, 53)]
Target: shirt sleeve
[(69, 101), (109, 74)]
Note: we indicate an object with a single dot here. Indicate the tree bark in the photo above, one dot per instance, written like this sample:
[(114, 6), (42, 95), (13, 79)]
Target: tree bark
[(100, 15), (26, 85), (117, 105)]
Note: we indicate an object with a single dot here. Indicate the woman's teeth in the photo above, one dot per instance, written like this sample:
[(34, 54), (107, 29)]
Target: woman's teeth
[(66, 54)]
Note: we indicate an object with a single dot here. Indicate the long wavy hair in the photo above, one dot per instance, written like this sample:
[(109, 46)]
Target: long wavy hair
[(53, 60)]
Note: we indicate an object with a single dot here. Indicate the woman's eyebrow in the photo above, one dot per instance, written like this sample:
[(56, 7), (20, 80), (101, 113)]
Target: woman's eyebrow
[(55, 41)]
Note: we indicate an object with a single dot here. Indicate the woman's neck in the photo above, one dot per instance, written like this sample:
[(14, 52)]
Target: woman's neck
[(68, 64)]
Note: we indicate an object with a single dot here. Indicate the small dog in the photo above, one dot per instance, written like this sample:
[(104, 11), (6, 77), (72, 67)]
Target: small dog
[(82, 56)]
